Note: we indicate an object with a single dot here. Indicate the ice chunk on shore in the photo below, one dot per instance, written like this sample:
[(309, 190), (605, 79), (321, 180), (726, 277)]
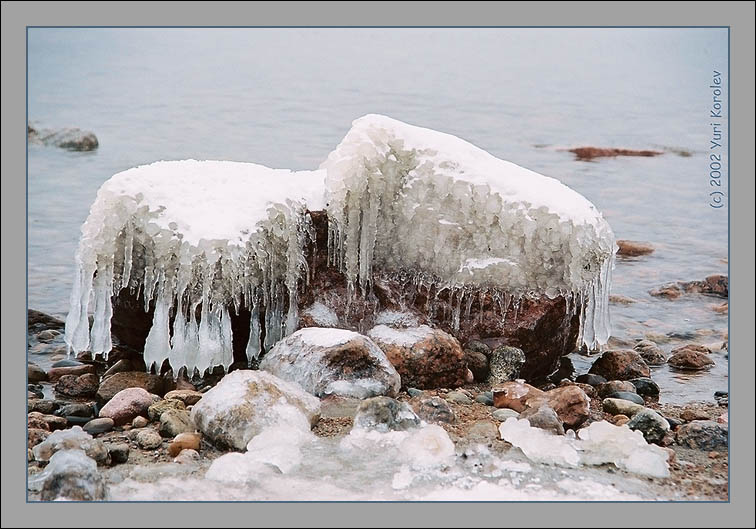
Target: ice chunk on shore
[(452, 216), (597, 444), (195, 237)]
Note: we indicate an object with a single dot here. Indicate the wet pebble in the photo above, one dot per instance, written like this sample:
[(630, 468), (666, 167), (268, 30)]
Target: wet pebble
[(591, 379), (645, 386), (148, 439), (626, 395), (97, 426), (119, 453), (457, 397), (502, 414), (485, 398), (414, 392)]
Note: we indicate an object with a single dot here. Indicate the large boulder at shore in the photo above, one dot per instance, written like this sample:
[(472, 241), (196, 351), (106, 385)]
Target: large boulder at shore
[(245, 402), (127, 404), (130, 379), (622, 364), (425, 358), (328, 361)]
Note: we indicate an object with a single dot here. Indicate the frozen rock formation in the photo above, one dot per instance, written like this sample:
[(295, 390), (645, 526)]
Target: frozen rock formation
[(414, 219), (333, 362), (245, 402)]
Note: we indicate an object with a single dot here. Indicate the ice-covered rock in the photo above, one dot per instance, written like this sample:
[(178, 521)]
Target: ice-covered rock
[(405, 198), (244, 403), (319, 315), (328, 361), (597, 444), (72, 439), (70, 475), (424, 357), (458, 232)]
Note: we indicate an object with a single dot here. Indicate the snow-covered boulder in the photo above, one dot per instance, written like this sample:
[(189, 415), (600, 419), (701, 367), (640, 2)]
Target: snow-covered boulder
[(424, 357), (333, 362), (246, 402)]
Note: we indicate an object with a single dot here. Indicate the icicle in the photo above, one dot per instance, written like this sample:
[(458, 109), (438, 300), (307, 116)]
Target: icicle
[(253, 345)]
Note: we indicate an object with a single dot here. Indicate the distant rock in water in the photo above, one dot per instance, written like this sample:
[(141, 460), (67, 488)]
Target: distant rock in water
[(633, 248), (589, 153), (71, 139)]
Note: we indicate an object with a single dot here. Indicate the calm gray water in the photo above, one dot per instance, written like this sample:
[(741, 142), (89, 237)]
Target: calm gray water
[(286, 97)]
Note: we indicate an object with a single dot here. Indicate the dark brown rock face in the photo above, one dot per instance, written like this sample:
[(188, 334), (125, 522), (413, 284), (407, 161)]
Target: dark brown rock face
[(541, 328)]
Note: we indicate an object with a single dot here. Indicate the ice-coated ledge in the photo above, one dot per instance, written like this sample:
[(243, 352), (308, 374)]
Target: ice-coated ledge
[(197, 239)]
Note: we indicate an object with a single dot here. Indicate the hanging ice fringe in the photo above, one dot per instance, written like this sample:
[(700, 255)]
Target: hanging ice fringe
[(202, 238)]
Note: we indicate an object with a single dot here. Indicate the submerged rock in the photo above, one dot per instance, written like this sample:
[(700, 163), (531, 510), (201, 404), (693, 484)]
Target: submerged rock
[(425, 358), (333, 362), (245, 402), (71, 139), (589, 153)]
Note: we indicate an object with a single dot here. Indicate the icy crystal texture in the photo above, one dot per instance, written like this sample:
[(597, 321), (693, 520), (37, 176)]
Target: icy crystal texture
[(197, 239), (448, 215)]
